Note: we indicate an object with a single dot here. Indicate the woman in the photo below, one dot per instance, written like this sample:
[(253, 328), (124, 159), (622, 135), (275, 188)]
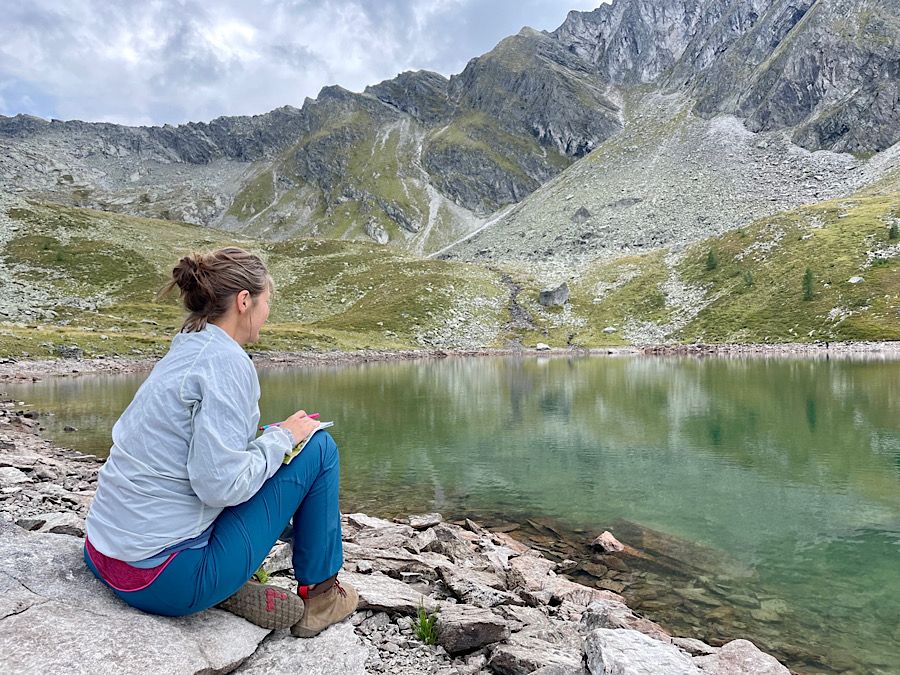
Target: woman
[(190, 502)]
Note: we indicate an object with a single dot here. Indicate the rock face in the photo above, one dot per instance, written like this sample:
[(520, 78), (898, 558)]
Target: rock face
[(828, 69)]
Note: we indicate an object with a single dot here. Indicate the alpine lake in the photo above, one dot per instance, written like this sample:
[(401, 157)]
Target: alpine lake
[(761, 496)]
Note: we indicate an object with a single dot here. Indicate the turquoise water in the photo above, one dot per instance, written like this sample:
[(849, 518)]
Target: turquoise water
[(776, 482)]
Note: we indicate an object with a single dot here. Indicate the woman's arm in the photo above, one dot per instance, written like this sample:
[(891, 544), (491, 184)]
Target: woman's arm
[(226, 465)]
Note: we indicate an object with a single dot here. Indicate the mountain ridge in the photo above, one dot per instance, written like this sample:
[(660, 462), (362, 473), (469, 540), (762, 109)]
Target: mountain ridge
[(420, 160)]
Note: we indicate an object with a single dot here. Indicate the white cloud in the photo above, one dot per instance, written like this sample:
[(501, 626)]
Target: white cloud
[(180, 60)]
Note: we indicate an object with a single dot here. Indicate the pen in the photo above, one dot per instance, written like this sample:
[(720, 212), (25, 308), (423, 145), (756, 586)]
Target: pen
[(312, 416)]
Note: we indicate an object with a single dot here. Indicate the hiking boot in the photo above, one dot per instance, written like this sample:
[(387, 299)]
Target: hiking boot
[(266, 606), (331, 604)]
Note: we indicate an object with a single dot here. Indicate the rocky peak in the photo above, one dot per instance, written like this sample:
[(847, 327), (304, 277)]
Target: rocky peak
[(531, 83), (421, 94)]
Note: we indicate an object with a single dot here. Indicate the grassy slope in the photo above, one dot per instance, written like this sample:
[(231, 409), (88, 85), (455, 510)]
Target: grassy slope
[(348, 295), (331, 294)]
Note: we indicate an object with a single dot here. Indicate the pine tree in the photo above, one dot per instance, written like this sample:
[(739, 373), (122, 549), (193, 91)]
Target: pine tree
[(712, 262), (808, 284)]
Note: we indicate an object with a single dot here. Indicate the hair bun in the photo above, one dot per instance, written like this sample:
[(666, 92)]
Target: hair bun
[(188, 276)]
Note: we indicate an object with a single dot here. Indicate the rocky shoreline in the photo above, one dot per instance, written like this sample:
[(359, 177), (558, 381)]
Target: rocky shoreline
[(501, 606), (12, 369)]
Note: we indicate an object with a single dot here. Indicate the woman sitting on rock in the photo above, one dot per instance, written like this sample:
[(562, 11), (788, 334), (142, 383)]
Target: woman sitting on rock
[(190, 501)]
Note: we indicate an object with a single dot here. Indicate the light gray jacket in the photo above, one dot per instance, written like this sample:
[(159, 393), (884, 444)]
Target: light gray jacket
[(184, 449)]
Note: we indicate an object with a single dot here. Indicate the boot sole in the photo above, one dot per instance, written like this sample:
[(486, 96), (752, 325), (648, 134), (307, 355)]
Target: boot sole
[(266, 606)]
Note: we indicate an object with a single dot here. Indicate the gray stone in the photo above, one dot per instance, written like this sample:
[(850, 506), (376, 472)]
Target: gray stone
[(9, 475), (425, 520), (611, 614), (63, 522), (607, 543), (693, 646), (462, 628), (740, 657), (69, 351), (377, 591), (482, 589), (78, 626), (628, 652), (335, 650), (525, 653), (554, 297)]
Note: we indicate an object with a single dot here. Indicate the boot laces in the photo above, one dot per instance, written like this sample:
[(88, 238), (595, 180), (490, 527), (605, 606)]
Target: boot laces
[(340, 589)]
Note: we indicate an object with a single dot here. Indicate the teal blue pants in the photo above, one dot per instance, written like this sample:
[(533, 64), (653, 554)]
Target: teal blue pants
[(305, 490)]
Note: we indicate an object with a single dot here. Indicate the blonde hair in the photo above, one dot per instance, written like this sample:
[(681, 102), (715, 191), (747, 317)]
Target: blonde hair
[(208, 281)]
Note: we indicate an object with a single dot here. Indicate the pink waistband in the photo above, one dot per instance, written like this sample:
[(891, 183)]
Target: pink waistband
[(120, 575)]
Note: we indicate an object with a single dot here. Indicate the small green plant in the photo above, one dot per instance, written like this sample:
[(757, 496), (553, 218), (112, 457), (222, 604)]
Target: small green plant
[(712, 261), (748, 278), (894, 232), (808, 284), (261, 575), (425, 625)]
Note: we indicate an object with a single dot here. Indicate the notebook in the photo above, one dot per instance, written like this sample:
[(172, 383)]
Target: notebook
[(302, 444)]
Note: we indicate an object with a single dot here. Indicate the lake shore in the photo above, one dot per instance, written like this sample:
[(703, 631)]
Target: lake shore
[(33, 369), (502, 606)]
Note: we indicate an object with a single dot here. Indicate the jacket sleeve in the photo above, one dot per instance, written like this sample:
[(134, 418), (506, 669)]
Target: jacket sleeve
[(226, 465)]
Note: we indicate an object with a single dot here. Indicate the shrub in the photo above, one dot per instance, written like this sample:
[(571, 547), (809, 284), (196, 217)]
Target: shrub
[(894, 232), (748, 278), (712, 262), (808, 284), (261, 575)]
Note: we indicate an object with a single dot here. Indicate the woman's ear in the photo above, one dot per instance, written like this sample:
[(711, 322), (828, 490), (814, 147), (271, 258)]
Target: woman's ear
[(243, 301)]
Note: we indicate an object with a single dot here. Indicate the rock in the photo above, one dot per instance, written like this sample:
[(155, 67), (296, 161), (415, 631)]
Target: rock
[(377, 591), (335, 650), (280, 558), (72, 620), (69, 428), (740, 657), (62, 523), (362, 521), (10, 475), (449, 541), (609, 329), (542, 347), (425, 520), (582, 215), (607, 543), (855, 280), (395, 562), (628, 652), (19, 461), (30, 524), (693, 646), (69, 352), (481, 589), (554, 297), (395, 536), (525, 653), (611, 614), (462, 628)]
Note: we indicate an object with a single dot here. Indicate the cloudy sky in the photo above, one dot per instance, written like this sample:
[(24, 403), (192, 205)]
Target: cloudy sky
[(158, 61)]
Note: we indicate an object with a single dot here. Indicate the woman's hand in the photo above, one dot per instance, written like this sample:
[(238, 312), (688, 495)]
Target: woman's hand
[(300, 425)]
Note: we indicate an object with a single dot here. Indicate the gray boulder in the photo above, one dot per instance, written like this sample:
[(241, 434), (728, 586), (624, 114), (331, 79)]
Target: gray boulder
[(56, 617), (462, 628), (554, 297), (740, 657), (627, 652), (336, 650)]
